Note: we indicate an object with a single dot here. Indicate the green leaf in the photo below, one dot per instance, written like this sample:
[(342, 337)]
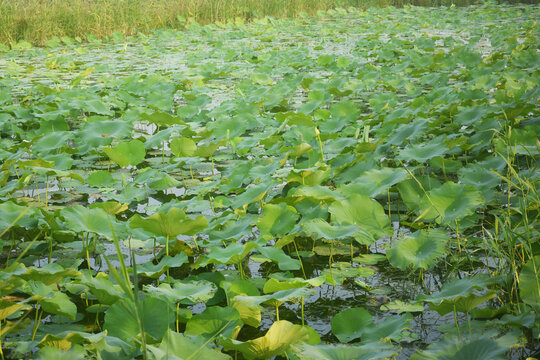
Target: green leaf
[(373, 351), (198, 291), (278, 256), (215, 321), (126, 153), (177, 346), (320, 229), (52, 301), (156, 270), (421, 249), (459, 293), (100, 178), (278, 339), (183, 147), (8, 308), (277, 219), (529, 283), (451, 202), (350, 324), (80, 219), (15, 215), (232, 254), (170, 224), (76, 352), (422, 152), (399, 307), (121, 320), (367, 214), (375, 181)]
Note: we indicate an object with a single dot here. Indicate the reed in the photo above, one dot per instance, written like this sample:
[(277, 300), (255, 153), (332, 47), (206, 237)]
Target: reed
[(37, 21)]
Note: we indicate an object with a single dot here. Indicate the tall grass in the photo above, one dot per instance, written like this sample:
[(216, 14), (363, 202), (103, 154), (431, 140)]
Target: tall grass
[(37, 21)]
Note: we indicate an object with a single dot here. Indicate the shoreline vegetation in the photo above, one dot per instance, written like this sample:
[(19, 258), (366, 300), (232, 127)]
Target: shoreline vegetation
[(37, 21)]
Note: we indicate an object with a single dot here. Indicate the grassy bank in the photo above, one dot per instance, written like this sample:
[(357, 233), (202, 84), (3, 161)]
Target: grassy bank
[(36, 21)]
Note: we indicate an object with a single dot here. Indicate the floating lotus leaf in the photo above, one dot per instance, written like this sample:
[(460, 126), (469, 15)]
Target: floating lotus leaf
[(450, 203), (215, 321), (169, 224), (177, 346), (373, 351), (121, 320), (364, 212), (126, 153), (278, 339), (277, 219), (198, 291), (419, 250)]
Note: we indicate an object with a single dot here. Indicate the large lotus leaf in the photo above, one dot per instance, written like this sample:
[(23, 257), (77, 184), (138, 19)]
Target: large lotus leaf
[(311, 176), (463, 304), (273, 285), (236, 228), (371, 351), (8, 308), (232, 254), (100, 178), (479, 177), (279, 338), (110, 207), (12, 214), (215, 321), (423, 152), (72, 337), (421, 249), (121, 319), (277, 219), (51, 300), (177, 346), (368, 214), (253, 193), (48, 273), (481, 348), (95, 134), (156, 270), (529, 283), (195, 291), (408, 132), (52, 142), (351, 323), (340, 271), (320, 229), (80, 219), (412, 192), (249, 313), (450, 203), (239, 287), (279, 297), (375, 181), (227, 127), (183, 147), (316, 193), (102, 288), (162, 118), (170, 224), (459, 293), (471, 116), (389, 328), (278, 256), (57, 352), (126, 153), (347, 111)]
